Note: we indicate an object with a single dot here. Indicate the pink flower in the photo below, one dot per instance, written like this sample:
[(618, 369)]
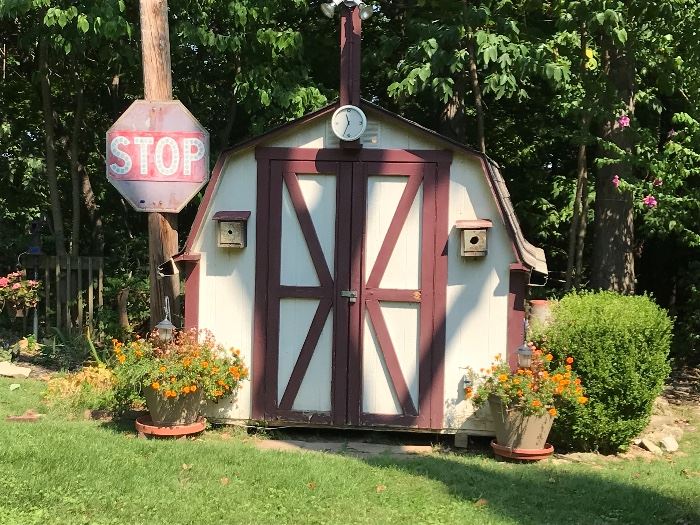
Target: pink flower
[(623, 121), (649, 201), (616, 181), (16, 286), (3, 282), (658, 181)]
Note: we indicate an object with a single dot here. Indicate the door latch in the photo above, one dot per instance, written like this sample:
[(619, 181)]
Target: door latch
[(350, 294)]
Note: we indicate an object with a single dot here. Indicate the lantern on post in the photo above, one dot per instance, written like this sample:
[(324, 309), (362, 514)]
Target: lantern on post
[(166, 328), (524, 356)]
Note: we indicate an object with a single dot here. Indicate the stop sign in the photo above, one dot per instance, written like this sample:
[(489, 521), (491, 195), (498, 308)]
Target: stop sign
[(157, 156)]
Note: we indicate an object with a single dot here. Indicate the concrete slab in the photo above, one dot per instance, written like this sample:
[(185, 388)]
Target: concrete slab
[(353, 448)]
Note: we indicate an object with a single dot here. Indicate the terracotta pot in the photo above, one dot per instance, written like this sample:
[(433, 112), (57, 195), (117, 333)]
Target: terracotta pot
[(515, 430), (541, 311), (183, 410)]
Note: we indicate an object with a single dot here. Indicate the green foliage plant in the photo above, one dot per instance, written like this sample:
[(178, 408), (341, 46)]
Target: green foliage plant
[(621, 344), (192, 361), (90, 388), (542, 388)]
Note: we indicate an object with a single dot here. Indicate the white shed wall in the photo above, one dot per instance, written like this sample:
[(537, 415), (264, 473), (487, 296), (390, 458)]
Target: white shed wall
[(477, 294)]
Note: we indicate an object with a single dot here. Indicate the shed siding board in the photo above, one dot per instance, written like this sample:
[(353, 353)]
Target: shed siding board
[(477, 292), (227, 278)]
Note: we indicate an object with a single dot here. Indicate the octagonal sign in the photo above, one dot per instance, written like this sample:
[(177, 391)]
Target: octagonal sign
[(157, 156)]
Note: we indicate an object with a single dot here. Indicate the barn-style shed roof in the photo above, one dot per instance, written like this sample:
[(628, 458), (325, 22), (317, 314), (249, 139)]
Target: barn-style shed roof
[(528, 254)]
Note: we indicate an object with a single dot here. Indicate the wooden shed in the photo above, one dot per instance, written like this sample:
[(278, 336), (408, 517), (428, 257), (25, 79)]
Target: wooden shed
[(358, 281), (358, 277)]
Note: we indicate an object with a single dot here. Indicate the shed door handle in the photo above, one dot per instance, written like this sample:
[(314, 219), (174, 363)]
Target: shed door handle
[(350, 294)]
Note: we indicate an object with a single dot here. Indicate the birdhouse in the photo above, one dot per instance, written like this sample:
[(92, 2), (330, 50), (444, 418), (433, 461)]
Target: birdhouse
[(232, 228), (474, 237)]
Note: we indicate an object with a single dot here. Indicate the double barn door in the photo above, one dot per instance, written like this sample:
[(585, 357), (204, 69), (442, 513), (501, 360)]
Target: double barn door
[(352, 327)]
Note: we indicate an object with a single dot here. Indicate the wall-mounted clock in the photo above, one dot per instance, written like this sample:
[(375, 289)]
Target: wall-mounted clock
[(348, 123)]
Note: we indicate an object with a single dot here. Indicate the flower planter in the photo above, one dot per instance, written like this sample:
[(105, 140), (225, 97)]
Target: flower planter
[(183, 410), (515, 430)]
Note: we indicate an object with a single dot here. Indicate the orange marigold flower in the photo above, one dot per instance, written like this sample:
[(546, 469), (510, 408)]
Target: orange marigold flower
[(569, 360), (205, 364), (155, 385), (503, 378), (186, 362), (516, 380), (549, 357), (138, 353), (520, 393), (220, 382), (582, 400), (193, 388), (218, 393), (536, 403), (162, 369), (468, 392), (577, 381), (568, 367), (121, 358), (552, 411)]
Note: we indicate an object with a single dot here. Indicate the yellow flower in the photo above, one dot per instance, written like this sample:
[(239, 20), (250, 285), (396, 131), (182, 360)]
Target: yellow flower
[(155, 385), (121, 358), (582, 400), (162, 369), (589, 53), (552, 411), (503, 378)]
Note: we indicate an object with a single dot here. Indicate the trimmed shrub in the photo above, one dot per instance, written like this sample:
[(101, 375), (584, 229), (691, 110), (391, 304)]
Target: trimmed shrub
[(620, 345)]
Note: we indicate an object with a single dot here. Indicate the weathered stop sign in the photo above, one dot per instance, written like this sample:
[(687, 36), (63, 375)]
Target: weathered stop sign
[(157, 156)]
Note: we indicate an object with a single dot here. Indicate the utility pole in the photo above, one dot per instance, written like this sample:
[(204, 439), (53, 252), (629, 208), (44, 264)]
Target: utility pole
[(158, 85)]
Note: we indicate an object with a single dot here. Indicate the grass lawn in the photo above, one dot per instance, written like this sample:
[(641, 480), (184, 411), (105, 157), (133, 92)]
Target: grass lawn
[(57, 471)]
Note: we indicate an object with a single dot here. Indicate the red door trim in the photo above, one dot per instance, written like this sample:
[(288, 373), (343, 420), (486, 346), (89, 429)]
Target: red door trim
[(439, 328), (262, 235), (517, 290), (353, 155)]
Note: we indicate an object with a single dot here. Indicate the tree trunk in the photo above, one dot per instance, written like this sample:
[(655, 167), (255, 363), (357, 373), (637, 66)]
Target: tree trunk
[(613, 249), (51, 175), (123, 310), (476, 90), (75, 167), (581, 234), (90, 202), (577, 229), (158, 85), (225, 135), (577, 217)]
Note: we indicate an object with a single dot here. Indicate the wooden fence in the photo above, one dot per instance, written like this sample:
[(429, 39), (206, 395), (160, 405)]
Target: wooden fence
[(72, 291)]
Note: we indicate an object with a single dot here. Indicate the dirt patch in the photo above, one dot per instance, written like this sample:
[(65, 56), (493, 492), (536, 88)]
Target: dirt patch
[(683, 386)]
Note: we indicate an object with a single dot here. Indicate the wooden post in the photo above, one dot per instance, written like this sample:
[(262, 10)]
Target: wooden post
[(158, 85), (350, 55)]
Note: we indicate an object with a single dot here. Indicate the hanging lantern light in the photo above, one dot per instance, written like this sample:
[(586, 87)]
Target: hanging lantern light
[(166, 328), (366, 11)]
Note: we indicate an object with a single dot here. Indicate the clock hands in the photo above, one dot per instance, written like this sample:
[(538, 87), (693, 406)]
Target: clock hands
[(348, 124)]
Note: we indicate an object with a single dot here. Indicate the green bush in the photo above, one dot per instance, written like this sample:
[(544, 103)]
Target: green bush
[(620, 345)]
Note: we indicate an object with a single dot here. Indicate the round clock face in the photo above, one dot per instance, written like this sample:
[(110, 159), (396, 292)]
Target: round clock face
[(349, 122)]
